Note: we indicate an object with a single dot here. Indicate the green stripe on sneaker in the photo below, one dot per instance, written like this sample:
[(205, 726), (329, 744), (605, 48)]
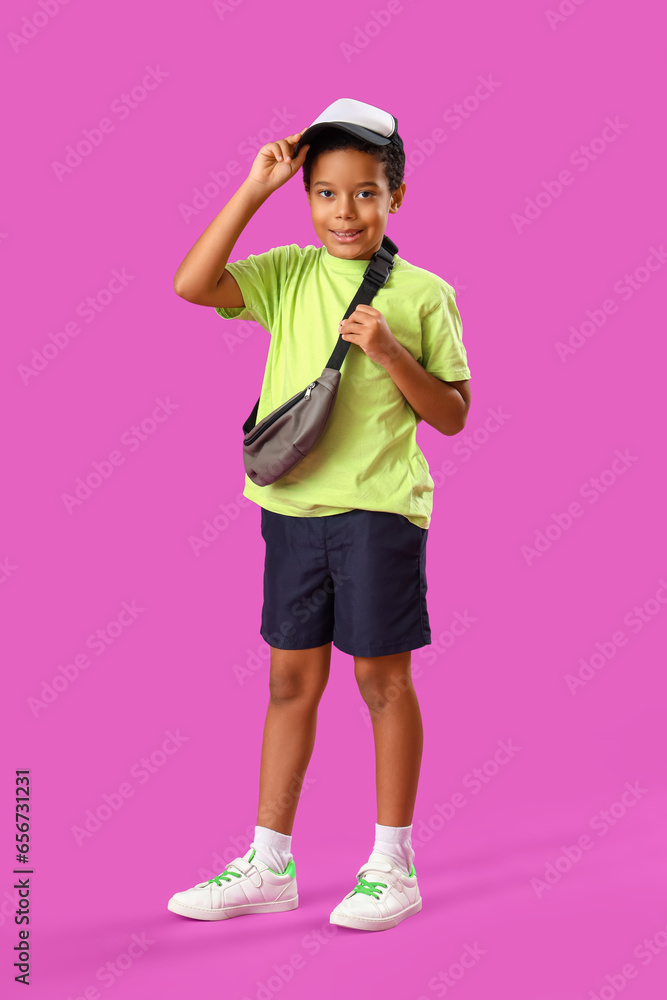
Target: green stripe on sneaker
[(290, 870)]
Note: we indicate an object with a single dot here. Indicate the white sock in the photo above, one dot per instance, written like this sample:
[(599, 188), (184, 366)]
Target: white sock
[(395, 841), (273, 848)]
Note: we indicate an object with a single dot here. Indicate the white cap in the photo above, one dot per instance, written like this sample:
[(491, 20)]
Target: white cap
[(363, 120)]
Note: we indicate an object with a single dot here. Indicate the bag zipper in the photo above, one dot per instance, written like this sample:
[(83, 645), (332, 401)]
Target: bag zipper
[(254, 434)]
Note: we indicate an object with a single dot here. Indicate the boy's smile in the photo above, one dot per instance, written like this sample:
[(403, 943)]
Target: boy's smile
[(350, 201)]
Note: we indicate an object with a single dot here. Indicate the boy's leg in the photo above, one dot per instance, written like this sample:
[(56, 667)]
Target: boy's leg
[(297, 682), (385, 684), (387, 891)]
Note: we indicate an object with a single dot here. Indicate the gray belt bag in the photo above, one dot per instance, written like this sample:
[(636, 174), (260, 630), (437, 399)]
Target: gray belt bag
[(281, 439)]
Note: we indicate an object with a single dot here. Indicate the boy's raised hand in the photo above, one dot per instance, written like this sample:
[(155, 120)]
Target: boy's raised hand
[(368, 328), (274, 163)]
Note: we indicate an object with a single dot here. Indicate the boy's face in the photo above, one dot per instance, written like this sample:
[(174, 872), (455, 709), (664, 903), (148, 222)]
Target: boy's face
[(349, 191)]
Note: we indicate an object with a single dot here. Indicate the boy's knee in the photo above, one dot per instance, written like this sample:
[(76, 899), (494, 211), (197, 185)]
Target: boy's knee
[(296, 681), (285, 686), (378, 689)]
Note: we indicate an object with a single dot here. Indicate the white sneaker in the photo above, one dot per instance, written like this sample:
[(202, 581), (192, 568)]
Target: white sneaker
[(384, 895), (245, 886)]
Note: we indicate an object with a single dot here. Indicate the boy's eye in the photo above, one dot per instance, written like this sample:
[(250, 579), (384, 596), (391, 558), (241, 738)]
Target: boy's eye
[(326, 191)]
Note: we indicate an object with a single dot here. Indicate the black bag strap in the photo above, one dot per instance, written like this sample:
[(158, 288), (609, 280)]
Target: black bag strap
[(375, 276)]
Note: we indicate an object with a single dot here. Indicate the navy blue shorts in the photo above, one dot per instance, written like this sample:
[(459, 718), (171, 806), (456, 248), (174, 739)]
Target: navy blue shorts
[(356, 579)]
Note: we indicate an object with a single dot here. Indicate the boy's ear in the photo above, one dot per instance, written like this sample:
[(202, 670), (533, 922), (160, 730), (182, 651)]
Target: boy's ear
[(397, 198)]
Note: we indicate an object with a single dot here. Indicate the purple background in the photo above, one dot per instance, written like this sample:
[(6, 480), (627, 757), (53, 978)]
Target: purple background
[(544, 433)]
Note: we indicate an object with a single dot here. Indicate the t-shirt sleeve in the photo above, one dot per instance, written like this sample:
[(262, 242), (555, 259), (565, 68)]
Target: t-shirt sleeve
[(259, 278), (443, 353)]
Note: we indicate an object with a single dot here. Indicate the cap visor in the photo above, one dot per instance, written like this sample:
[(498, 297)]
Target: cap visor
[(358, 130)]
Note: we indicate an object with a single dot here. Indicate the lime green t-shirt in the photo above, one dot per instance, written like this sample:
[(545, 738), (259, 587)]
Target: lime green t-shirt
[(368, 456)]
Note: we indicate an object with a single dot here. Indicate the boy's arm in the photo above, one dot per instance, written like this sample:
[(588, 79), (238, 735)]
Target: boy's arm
[(437, 387), (201, 276), (443, 405)]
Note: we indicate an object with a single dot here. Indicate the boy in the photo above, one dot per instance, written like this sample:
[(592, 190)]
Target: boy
[(349, 523)]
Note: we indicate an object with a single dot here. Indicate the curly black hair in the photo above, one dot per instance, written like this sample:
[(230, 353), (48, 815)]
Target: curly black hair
[(328, 139)]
